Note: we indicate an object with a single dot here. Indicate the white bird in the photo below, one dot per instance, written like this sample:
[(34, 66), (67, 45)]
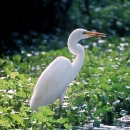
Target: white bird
[(54, 80)]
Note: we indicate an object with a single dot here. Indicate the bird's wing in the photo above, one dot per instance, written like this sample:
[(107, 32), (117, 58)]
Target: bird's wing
[(54, 80)]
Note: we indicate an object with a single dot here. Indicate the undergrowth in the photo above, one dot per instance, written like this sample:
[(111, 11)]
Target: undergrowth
[(100, 92)]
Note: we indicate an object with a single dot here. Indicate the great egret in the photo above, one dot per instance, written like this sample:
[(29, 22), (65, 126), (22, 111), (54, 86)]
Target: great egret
[(54, 80)]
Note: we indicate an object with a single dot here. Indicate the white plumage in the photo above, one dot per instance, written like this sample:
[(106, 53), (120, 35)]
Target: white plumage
[(54, 80)]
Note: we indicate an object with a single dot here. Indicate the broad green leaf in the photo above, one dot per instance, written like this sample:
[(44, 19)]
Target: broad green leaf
[(16, 58), (100, 103), (13, 74), (18, 119)]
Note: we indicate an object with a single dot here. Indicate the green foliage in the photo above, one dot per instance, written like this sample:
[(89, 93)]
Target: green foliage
[(109, 16), (100, 92)]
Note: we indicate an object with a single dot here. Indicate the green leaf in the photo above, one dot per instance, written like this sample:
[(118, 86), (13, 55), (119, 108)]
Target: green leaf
[(16, 58), (100, 103), (18, 119), (13, 74), (21, 94), (4, 122), (68, 126), (46, 110)]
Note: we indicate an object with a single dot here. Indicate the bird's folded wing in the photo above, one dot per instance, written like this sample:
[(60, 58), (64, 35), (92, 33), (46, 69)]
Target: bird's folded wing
[(53, 79)]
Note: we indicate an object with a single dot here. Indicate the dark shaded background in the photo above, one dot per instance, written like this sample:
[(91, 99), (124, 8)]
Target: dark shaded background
[(30, 18)]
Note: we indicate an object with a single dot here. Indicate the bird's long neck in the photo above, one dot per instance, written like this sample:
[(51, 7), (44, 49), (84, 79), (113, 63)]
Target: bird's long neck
[(77, 63), (77, 50)]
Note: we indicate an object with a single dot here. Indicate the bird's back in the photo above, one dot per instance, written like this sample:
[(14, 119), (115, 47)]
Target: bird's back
[(52, 82)]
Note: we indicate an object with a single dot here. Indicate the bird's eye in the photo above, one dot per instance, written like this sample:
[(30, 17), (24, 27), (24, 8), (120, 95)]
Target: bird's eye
[(83, 32)]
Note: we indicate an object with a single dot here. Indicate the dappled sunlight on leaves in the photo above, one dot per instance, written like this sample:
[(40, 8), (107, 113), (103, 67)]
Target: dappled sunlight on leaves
[(100, 92)]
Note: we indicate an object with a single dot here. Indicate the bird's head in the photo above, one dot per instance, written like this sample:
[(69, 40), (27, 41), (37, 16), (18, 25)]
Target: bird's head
[(79, 34)]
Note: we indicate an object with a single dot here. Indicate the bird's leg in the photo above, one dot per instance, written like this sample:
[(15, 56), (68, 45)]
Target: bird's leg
[(52, 106), (60, 108), (61, 102)]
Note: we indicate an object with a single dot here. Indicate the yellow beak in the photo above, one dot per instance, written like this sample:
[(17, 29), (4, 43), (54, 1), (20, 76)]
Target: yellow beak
[(98, 34)]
